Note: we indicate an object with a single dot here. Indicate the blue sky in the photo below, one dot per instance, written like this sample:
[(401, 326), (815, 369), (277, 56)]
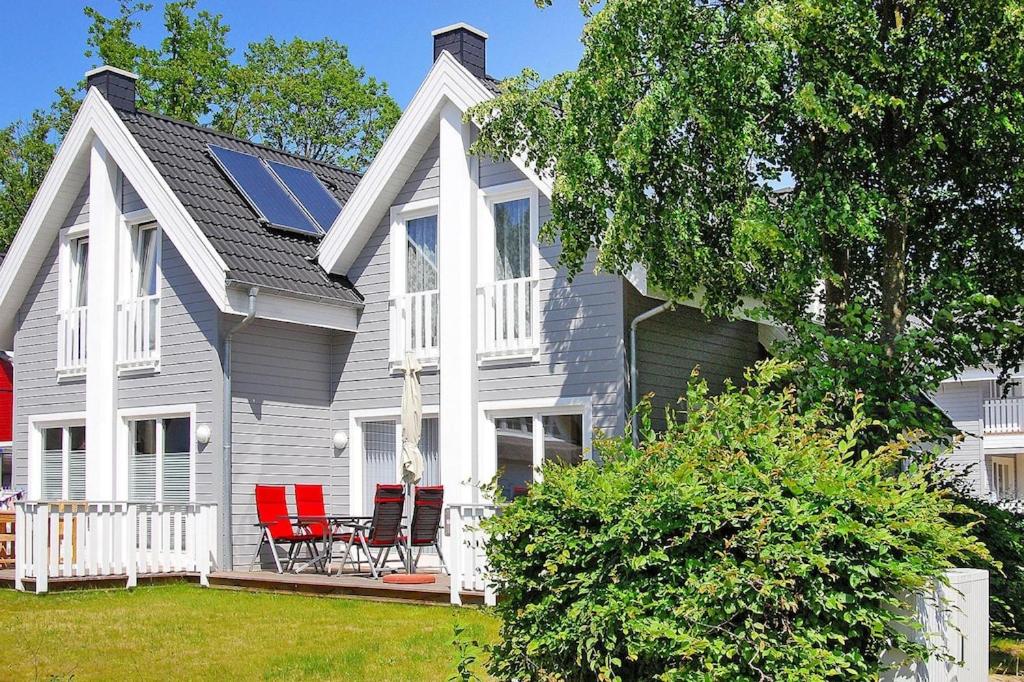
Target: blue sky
[(42, 42)]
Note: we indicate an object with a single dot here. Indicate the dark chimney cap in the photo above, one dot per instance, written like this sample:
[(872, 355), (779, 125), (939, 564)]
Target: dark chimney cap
[(464, 42), (116, 85)]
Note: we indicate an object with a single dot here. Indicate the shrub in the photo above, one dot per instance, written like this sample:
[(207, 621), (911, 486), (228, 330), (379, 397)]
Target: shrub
[(749, 541), (1002, 532)]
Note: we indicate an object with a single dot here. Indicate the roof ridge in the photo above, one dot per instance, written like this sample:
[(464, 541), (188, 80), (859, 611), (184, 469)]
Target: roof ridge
[(228, 136)]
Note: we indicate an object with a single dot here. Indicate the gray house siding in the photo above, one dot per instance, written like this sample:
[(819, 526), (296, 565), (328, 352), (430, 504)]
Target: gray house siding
[(671, 344), (962, 403), (581, 346), (362, 378), (281, 420), (36, 389)]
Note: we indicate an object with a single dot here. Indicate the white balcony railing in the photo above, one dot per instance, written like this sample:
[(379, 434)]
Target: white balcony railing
[(508, 317), (71, 341), (125, 539), (414, 326), (138, 332), (1004, 415)]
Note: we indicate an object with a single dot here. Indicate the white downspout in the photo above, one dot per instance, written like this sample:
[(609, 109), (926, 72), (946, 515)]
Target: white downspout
[(633, 373), (226, 558)]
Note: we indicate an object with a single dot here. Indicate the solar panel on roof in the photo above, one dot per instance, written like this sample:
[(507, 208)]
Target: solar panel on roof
[(263, 191), (310, 192)]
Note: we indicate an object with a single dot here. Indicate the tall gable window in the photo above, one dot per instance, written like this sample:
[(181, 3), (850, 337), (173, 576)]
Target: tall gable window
[(414, 305), (74, 300), (138, 311), (509, 264)]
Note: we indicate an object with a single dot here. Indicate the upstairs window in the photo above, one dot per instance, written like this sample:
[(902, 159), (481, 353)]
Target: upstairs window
[(512, 252), (144, 261), (421, 254), (74, 301), (79, 273), (139, 308)]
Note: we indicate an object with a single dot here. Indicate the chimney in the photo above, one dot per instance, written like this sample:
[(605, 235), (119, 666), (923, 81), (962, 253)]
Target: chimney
[(116, 85), (467, 44)]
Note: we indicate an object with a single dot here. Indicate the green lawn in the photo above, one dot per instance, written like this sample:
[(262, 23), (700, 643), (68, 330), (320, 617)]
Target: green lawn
[(182, 631)]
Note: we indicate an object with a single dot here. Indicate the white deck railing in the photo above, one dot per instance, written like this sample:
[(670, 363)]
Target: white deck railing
[(464, 552), (71, 341), (96, 539), (509, 312), (414, 326), (1004, 415), (138, 332)]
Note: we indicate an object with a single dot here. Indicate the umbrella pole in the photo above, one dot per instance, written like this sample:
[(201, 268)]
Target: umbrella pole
[(408, 535)]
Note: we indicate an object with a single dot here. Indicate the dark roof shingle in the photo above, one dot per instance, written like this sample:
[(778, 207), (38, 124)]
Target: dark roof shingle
[(254, 253)]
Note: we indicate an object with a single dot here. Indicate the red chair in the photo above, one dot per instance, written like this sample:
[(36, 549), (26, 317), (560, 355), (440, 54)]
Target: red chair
[(383, 531), (426, 521), (312, 517), (276, 527)]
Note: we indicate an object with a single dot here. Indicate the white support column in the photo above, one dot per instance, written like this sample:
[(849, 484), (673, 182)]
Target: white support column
[(458, 311), (101, 345)]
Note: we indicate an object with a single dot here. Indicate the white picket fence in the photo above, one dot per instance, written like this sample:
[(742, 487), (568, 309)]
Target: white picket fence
[(96, 539), (464, 550)]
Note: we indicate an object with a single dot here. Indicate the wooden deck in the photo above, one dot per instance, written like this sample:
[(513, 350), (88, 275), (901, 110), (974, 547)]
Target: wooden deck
[(348, 585)]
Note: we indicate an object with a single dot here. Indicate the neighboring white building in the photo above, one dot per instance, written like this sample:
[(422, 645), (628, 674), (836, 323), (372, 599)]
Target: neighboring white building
[(991, 417)]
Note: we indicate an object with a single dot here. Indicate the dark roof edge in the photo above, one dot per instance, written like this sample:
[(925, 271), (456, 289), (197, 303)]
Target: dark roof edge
[(242, 140), (289, 293)]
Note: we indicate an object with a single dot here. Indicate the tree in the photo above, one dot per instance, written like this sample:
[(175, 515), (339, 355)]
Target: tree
[(301, 96), (896, 256), (307, 97)]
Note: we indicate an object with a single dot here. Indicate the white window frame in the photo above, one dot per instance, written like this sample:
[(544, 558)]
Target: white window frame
[(537, 409), (67, 274), (488, 197), (400, 215), (126, 445), (129, 264), (356, 419), (36, 425)]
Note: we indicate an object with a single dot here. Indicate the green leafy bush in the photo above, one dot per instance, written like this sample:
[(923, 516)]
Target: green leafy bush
[(1001, 530), (749, 541)]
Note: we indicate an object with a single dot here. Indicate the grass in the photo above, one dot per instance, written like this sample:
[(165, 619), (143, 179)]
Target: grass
[(181, 631), (1006, 657)]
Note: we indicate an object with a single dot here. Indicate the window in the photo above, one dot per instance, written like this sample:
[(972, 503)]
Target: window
[(415, 306), (144, 261), (160, 469), (421, 254), (1002, 478), (139, 307), (381, 442), (512, 252), (79, 284), (74, 300), (63, 463), (524, 442)]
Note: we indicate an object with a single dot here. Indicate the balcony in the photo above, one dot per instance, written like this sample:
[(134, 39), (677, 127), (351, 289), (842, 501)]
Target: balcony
[(1004, 415), (138, 333), (509, 318), (414, 327), (71, 341)]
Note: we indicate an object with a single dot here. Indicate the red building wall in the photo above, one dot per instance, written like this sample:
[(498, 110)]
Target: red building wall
[(6, 401)]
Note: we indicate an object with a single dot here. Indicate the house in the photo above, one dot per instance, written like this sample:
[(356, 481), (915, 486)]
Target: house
[(990, 417), (192, 314), (6, 420)]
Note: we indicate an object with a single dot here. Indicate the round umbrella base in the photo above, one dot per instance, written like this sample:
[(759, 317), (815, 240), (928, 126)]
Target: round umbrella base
[(410, 579)]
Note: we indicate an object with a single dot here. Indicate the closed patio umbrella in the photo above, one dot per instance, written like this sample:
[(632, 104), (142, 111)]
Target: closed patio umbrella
[(412, 415)]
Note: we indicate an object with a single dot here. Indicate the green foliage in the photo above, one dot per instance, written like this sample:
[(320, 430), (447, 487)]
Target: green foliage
[(301, 96), (1002, 532), (749, 542), (898, 125), (307, 97)]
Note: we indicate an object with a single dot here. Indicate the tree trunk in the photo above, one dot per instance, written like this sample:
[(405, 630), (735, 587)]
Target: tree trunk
[(894, 283)]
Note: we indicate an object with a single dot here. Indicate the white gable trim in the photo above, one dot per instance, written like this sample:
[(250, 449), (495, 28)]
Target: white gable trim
[(96, 119), (448, 80)]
